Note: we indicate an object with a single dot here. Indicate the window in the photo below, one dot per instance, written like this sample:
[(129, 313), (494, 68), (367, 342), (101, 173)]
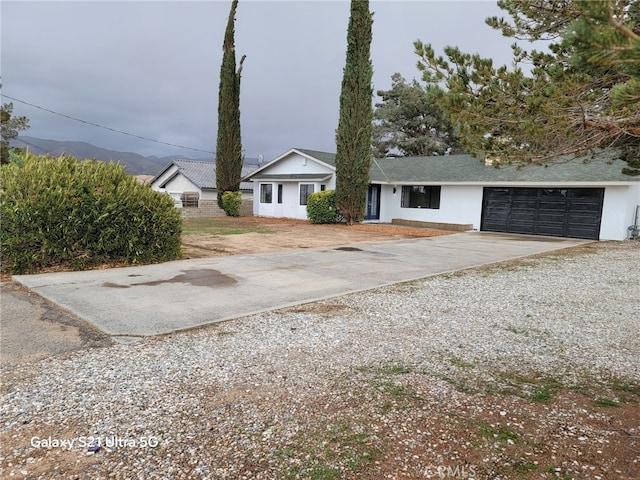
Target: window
[(190, 199), (266, 192), (323, 187), (279, 193), (306, 189), (420, 197)]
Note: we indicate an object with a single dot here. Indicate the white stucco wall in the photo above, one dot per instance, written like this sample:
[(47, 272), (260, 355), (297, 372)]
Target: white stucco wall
[(463, 205), (163, 178), (458, 204), (290, 206), (618, 211), (178, 184), (295, 163)]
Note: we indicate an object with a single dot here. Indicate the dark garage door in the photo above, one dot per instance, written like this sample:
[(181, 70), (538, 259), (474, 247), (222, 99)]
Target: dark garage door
[(556, 212)]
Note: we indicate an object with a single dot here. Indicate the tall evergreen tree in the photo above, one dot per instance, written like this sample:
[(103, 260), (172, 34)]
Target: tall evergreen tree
[(409, 122), (10, 127), (353, 136), (229, 144), (583, 95)]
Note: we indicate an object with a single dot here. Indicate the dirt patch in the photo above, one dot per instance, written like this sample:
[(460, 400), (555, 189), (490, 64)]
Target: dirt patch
[(269, 234)]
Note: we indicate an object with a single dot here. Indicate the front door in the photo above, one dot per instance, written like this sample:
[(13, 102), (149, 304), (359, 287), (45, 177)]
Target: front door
[(373, 203)]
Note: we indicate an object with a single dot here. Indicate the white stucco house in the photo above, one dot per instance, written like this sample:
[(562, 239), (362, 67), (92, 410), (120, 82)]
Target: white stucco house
[(574, 198), (192, 184)]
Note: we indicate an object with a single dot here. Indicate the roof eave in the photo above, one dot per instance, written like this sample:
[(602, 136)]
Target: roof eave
[(514, 183), (248, 178), (314, 159)]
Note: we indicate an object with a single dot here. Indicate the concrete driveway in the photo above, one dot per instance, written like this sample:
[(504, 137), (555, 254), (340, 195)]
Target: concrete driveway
[(159, 299)]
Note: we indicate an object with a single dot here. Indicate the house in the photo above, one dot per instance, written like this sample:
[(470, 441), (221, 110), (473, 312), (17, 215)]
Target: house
[(282, 186), (574, 198), (192, 184)]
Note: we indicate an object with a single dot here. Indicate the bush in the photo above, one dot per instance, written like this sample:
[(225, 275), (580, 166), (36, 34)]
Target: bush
[(321, 207), (231, 202), (79, 214)]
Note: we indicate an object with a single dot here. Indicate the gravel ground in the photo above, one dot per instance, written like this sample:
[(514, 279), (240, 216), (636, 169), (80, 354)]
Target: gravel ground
[(525, 369)]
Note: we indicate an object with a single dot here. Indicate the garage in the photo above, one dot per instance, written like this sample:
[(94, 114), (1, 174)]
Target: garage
[(555, 212)]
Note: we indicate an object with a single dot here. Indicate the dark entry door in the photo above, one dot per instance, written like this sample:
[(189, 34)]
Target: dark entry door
[(556, 212), (373, 203)]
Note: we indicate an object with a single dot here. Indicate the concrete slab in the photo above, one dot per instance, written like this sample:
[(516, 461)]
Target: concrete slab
[(159, 299)]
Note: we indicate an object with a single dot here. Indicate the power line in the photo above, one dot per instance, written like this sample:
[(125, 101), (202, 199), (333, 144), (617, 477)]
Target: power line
[(106, 128), (20, 139)]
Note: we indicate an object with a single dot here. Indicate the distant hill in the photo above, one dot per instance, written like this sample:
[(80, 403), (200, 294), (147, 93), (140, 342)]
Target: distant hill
[(134, 163)]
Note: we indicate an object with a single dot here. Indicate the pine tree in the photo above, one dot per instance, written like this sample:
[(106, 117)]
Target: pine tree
[(582, 96), (409, 122), (353, 136), (10, 127), (229, 144)]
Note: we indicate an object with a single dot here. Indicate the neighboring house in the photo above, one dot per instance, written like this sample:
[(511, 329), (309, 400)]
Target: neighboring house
[(192, 184), (573, 198)]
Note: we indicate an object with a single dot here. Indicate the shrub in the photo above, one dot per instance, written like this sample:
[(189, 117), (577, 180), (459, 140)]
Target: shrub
[(231, 202), (79, 214), (321, 207)]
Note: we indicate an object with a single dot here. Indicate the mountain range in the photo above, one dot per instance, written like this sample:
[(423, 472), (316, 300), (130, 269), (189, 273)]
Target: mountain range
[(134, 163)]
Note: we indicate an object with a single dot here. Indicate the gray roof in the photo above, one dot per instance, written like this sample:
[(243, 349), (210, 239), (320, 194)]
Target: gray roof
[(284, 177), (203, 174), (326, 157), (468, 169)]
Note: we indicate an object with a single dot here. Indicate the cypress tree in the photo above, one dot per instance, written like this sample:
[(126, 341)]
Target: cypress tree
[(229, 144), (353, 136)]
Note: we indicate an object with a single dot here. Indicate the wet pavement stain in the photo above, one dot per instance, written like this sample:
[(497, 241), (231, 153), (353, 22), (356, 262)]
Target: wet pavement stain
[(114, 285), (349, 249), (198, 278)]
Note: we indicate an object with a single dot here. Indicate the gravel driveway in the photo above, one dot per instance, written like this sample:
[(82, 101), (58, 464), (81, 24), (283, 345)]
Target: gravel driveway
[(525, 369)]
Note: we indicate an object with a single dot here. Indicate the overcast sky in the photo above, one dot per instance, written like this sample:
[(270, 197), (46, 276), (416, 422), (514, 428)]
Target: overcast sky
[(152, 68)]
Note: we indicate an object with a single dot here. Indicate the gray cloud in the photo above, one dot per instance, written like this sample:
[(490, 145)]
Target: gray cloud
[(152, 68)]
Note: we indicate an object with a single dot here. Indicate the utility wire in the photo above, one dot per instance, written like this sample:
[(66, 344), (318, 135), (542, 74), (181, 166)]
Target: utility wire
[(106, 128), (20, 139)]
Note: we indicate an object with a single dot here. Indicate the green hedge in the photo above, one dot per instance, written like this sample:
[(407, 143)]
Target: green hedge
[(321, 207), (231, 202), (79, 214)]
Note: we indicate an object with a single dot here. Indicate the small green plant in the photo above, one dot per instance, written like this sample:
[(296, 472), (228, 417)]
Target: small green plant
[(321, 207), (605, 402), (461, 363), (498, 433), (523, 467), (231, 203), (536, 388), (550, 386), (396, 369), (331, 451)]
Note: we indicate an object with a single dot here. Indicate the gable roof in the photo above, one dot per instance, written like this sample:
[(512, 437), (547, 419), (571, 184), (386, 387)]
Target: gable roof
[(329, 159), (325, 157), (201, 173), (468, 169)]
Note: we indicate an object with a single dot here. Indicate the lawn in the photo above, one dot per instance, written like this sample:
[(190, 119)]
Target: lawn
[(218, 226)]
